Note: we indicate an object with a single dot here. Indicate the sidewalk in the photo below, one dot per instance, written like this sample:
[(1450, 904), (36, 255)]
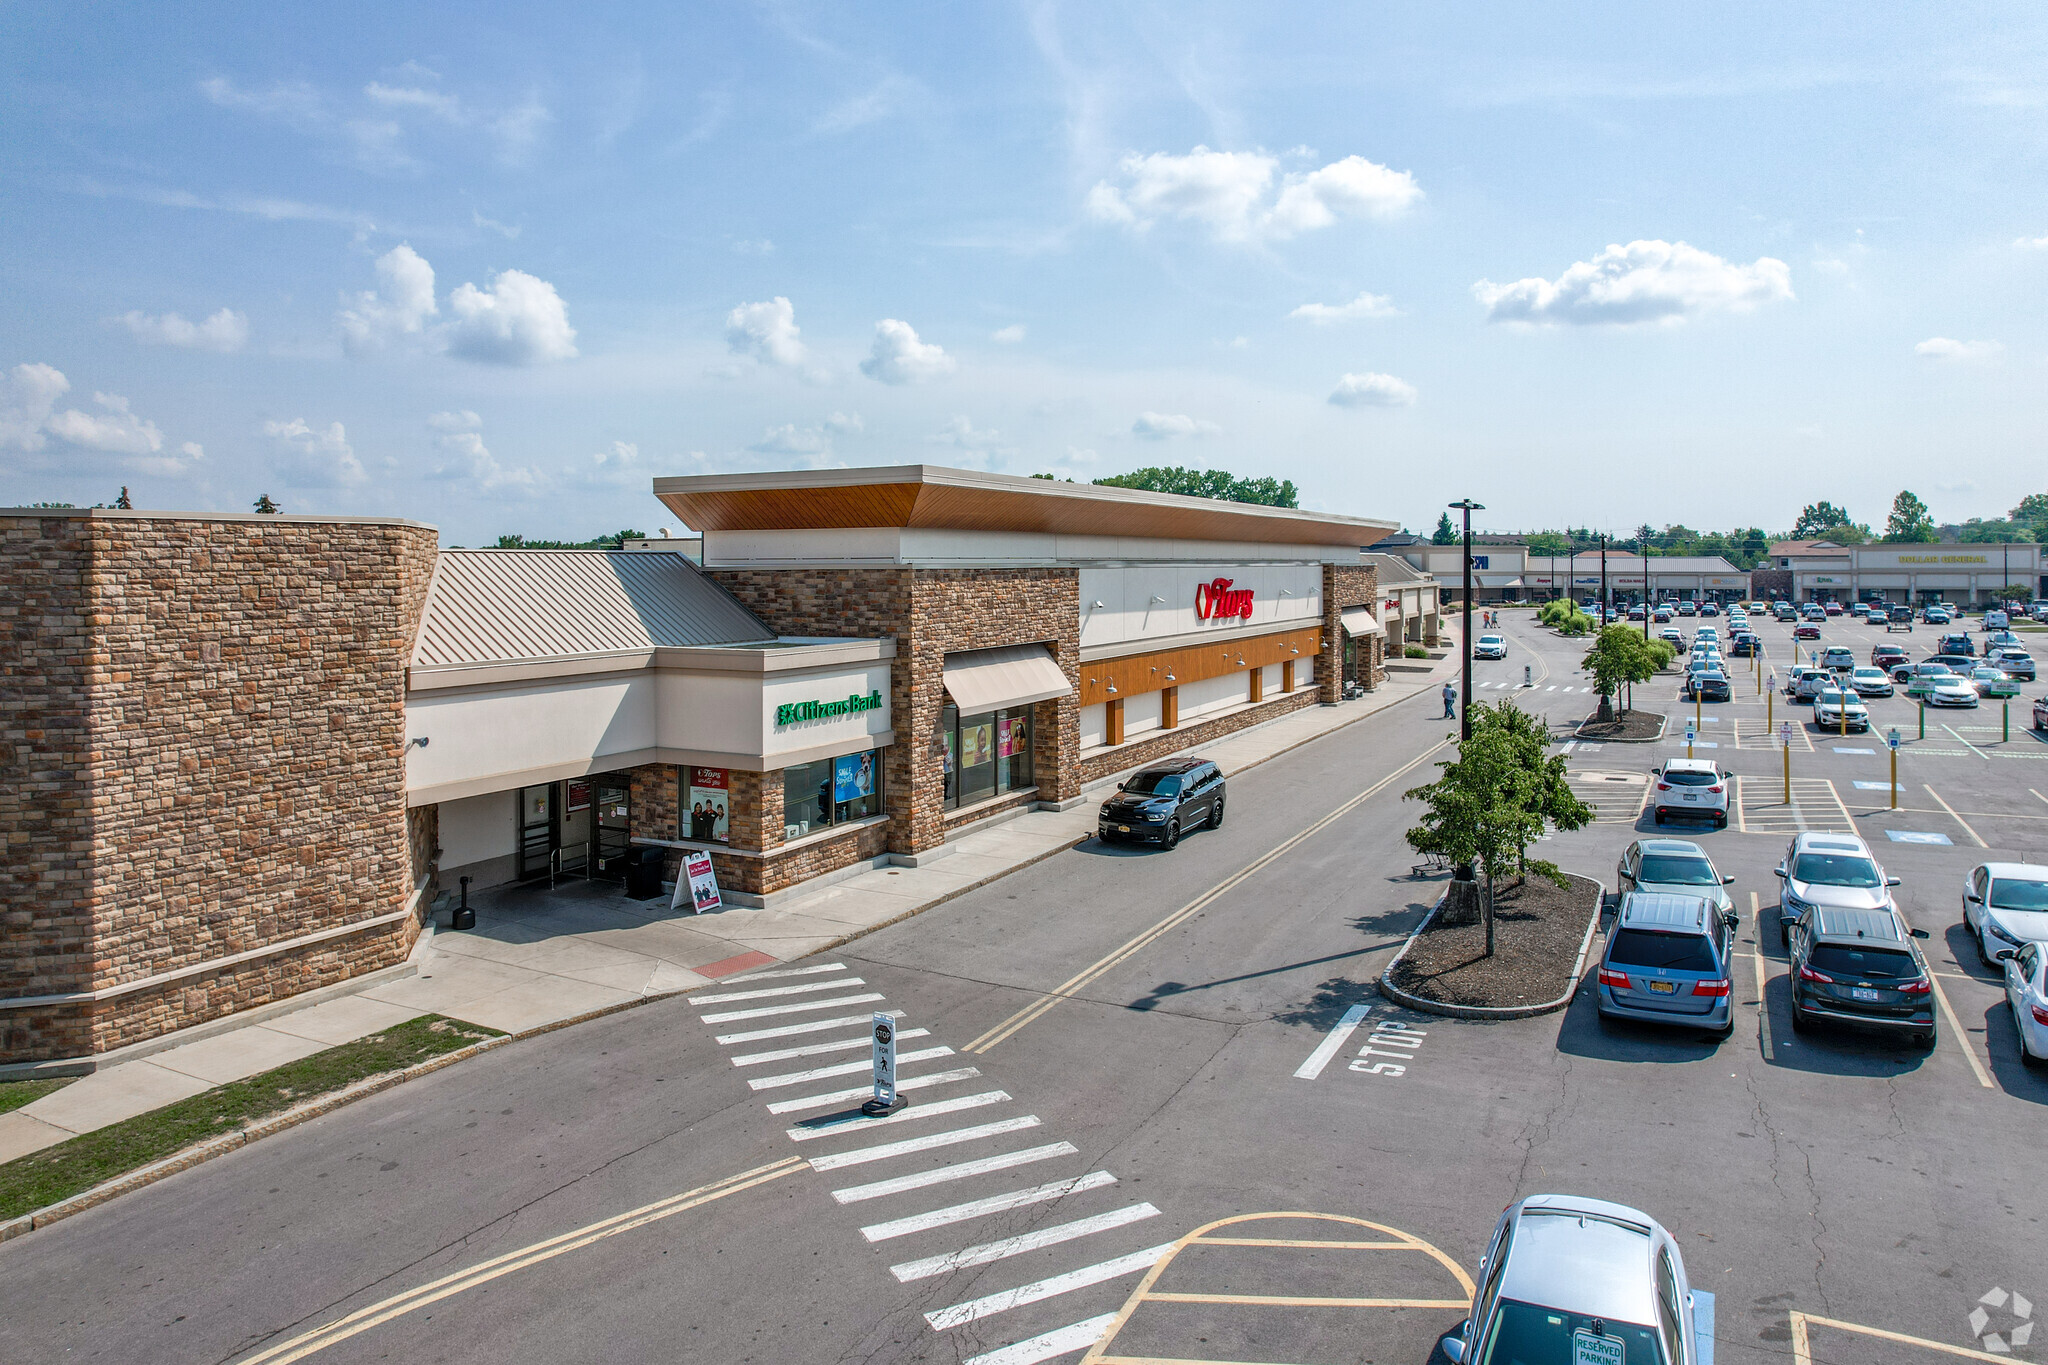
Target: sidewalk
[(539, 955)]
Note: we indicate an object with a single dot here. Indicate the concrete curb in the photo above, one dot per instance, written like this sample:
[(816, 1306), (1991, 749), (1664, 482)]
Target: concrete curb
[(1662, 730), (291, 1118), (1485, 1012)]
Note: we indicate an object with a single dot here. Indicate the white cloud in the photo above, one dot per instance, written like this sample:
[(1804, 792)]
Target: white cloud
[(791, 439), (314, 459), (509, 231), (447, 107), (399, 306), (225, 331), (1962, 352), (1645, 281), (1008, 336), (889, 96), (1372, 391), (27, 396), (460, 437), (1243, 197), (900, 358), (519, 320), (844, 423), (767, 331), (374, 143), (113, 429), (2031, 243), (617, 464), (1364, 306), (1167, 426), (962, 434)]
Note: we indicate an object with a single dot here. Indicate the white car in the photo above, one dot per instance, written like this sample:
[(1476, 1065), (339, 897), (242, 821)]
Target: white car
[(1692, 787), (1490, 647), (2006, 906), (1953, 690), (1871, 682), (1706, 633), (2026, 994), (1824, 870), (1829, 708), (2017, 663)]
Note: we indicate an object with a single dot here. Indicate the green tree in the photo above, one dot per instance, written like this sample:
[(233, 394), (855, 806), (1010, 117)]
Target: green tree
[(1818, 519), (610, 542), (122, 502), (1910, 521), (264, 505), (2032, 510), (1549, 543), (1978, 532), (1621, 657), (1219, 484), (1495, 799), (1446, 534)]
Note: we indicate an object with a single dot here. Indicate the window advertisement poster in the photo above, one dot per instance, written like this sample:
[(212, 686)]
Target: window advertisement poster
[(579, 796), (699, 882), (709, 816), (1010, 736), (977, 743), (853, 776)]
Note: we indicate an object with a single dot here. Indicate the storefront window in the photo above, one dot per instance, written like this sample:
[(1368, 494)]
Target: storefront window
[(830, 792), (1013, 749), (977, 757), (985, 754)]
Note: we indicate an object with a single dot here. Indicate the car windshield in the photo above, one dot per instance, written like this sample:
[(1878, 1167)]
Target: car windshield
[(1874, 674), (1681, 869), (1489, 639), (1154, 784), (1835, 869), (1867, 964), (1525, 1334), (1832, 695), (2009, 893), (1933, 670), (1691, 779)]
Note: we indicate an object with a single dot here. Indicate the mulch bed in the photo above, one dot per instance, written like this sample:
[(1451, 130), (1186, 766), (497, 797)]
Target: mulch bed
[(1537, 930), (1636, 725)]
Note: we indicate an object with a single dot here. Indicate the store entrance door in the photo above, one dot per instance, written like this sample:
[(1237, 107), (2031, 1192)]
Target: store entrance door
[(539, 830), (614, 824)]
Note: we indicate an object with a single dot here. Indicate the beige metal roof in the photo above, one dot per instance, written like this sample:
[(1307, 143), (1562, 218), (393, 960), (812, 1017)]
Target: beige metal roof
[(1014, 675), (1361, 621), (1394, 569), (499, 606)]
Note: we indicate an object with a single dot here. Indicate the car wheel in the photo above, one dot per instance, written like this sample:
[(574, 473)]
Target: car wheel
[(1721, 820), (1216, 815), (1924, 1038), (1722, 1035), (1172, 835), (1800, 1023), (2027, 1056), (1984, 954), (1657, 816)]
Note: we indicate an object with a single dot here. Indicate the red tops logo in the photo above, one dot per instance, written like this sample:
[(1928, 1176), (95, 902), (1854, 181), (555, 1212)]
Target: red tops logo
[(1219, 601)]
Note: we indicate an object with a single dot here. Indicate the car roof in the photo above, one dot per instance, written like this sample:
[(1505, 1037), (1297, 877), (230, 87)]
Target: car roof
[(2025, 872), (1662, 910), (1689, 765), (1822, 841), (1172, 765), (1680, 846), (1866, 925), (1596, 1263)]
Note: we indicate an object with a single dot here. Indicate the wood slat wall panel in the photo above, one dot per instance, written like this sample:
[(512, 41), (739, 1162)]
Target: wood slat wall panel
[(1139, 673)]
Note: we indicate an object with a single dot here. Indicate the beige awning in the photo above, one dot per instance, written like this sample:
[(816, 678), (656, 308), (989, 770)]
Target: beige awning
[(1361, 621), (1016, 675)]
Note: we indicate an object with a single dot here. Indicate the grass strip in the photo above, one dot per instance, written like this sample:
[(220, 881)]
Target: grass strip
[(14, 1094), (77, 1164)]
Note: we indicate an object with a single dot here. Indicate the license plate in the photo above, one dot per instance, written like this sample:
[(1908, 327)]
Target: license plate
[(1663, 987), (1690, 797), (1123, 829), (1859, 993)]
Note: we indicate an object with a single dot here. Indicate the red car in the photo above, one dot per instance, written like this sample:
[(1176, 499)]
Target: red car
[(1806, 630)]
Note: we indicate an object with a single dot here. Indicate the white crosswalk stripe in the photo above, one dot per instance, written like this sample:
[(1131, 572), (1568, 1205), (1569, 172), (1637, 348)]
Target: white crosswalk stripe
[(1001, 1250), (981, 1208), (1100, 1273), (819, 1049), (842, 1069), (839, 1096), (834, 1127), (1061, 1341), (808, 988), (791, 1030), (854, 1194), (784, 971), (952, 1137), (765, 1011)]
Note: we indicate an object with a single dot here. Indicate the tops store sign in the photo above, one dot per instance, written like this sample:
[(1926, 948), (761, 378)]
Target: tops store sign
[(793, 712), (1218, 601)]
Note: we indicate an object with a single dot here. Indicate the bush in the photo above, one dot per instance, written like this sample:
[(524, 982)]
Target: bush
[(1414, 652)]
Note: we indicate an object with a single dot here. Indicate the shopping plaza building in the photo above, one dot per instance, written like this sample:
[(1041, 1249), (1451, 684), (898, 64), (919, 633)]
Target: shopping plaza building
[(1963, 574), (245, 753)]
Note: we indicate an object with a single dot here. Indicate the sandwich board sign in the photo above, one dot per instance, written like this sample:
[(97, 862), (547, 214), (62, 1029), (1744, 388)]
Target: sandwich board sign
[(883, 1053), (698, 881)]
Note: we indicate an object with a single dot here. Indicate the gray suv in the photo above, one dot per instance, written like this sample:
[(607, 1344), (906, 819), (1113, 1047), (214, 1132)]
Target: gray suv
[(1860, 967), (1829, 871), (1668, 962)]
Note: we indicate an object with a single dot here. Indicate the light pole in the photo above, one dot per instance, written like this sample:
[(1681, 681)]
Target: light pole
[(1468, 507)]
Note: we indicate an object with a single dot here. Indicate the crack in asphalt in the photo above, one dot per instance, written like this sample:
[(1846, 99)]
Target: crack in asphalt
[(1778, 1141), (496, 1226)]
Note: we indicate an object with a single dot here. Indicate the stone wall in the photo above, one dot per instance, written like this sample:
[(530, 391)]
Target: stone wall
[(242, 683), (1348, 585), (1103, 762)]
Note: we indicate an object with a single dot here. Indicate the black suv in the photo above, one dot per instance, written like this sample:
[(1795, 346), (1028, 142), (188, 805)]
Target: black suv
[(1162, 801), (1859, 967)]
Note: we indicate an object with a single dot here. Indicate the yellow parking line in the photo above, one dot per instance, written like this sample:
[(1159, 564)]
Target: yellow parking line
[(1948, 1012), (1802, 1349), (1763, 979), (1288, 1301), (376, 1314), (1974, 837)]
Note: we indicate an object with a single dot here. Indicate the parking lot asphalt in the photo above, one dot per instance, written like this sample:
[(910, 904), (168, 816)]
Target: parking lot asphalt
[(1121, 1049)]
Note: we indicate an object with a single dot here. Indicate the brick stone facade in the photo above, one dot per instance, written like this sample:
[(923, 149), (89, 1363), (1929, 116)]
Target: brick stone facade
[(1143, 750), (1348, 585), (202, 732)]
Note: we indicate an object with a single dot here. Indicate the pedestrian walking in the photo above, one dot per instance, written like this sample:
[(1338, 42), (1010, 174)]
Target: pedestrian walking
[(1450, 702)]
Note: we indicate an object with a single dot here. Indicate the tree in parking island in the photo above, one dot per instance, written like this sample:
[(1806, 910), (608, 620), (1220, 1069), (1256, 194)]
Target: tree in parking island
[(1622, 657), (1494, 800)]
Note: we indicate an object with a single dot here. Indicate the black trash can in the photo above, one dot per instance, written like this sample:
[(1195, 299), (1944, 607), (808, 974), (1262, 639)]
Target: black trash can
[(643, 873)]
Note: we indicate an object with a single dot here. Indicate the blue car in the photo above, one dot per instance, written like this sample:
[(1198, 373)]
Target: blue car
[(1669, 960)]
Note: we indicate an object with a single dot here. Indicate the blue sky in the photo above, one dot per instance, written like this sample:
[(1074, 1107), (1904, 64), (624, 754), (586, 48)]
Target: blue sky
[(495, 270)]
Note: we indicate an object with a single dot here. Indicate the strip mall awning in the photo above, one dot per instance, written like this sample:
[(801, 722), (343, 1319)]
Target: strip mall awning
[(1360, 621), (1016, 675), (1497, 580)]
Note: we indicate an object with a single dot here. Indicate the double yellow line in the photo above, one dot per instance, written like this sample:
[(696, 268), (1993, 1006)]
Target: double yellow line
[(1074, 984), (363, 1319)]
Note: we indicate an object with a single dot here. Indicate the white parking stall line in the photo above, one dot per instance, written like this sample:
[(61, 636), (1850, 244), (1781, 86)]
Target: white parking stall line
[(860, 1156), (841, 1069), (1048, 1345), (981, 1208), (921, 1111), (1101, 1273), (854, 1194), (1327, 1049), (1966, 743), (785, 971), (791, 1030), (1975, 838), (911, 1271), (765, 1011), (818, 1049), (808, 988), (837, 1096)]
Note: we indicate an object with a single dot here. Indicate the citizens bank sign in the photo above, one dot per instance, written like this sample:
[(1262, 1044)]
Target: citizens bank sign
[(791, 712), (1217, 600)]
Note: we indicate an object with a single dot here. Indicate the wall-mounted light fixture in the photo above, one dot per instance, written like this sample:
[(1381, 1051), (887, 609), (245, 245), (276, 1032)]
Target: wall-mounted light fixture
[(1111, 689), (1160, 600), (1287, 592), (1169, 675), (421, 741), (1095, 606)]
